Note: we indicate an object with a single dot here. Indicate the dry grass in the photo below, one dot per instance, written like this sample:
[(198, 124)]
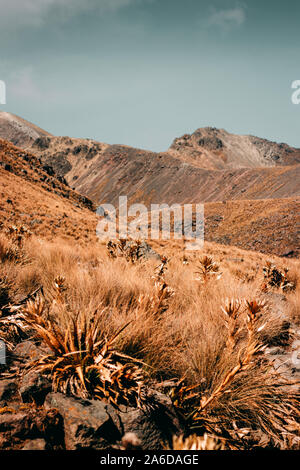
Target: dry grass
[(194, 442), (212, 357)]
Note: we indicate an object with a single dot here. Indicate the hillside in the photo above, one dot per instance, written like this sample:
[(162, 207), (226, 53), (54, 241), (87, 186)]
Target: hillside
[(268, 225), (208, 165), (32, 195)]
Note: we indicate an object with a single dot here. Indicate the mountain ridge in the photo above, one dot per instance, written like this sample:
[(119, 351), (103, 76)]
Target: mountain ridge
[(250, 207)]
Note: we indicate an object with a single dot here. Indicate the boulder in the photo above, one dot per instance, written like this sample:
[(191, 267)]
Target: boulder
[(154, 426), (98, 425), (34, 387), (29, 351), (8, 388), (87, 423), (19, 426)]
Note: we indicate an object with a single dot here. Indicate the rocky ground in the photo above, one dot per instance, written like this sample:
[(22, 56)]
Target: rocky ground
[(32, 417)]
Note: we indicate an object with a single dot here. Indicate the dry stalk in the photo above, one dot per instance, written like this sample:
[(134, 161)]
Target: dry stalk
[(128, 249), (232, 310), (246, 359), (159, 301), (207, 269)]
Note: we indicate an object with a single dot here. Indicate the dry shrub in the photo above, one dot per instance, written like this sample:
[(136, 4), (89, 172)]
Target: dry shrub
[(83, 361), (128, 249), (10, 252), (18, 233), (277, 278)]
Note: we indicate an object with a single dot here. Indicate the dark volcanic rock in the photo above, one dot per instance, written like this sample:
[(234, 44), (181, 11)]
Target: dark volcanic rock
[(95, 424), (16, 428), (156, 426), (212, 143), (49, 170), (60, 164), (34, 387), (42, 142), (87, 423), (8, 388)]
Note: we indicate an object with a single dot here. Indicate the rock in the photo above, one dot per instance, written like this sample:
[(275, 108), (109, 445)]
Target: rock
[(42, 142), (95, 424), (86, 202), (156, 426), (273, 351), (35, 444), (29, 351), (12, 425), (8, 388), (147, 252), (211, 142), (34, 387), (35, 423), (62, 180), (48, 169), (289, 254), (130, 441), (87, 423)]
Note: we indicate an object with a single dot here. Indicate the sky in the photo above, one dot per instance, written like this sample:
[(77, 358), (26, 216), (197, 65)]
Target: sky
[(142, 72)]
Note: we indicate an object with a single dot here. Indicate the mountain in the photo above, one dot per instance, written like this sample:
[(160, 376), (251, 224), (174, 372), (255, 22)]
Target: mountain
[(250, 186), (208, 165), (19, 131), (103, 172)]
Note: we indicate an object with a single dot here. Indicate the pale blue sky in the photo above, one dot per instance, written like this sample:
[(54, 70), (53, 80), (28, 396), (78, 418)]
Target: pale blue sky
[(142, 72)]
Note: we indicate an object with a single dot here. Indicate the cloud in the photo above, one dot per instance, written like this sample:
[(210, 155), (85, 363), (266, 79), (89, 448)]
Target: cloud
[(24, 13), (227, 19)]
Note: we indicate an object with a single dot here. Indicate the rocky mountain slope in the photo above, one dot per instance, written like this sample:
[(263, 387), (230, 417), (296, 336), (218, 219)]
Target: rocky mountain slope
[(102, 172), (19, 131), (32, 195), (208, 165), (213, 148)]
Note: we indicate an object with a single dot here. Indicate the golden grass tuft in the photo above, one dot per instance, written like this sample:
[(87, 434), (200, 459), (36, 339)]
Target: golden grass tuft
[(83, 361)]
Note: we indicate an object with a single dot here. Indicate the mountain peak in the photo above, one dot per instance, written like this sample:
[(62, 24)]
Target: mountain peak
[(213, 148), (19, 131)]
